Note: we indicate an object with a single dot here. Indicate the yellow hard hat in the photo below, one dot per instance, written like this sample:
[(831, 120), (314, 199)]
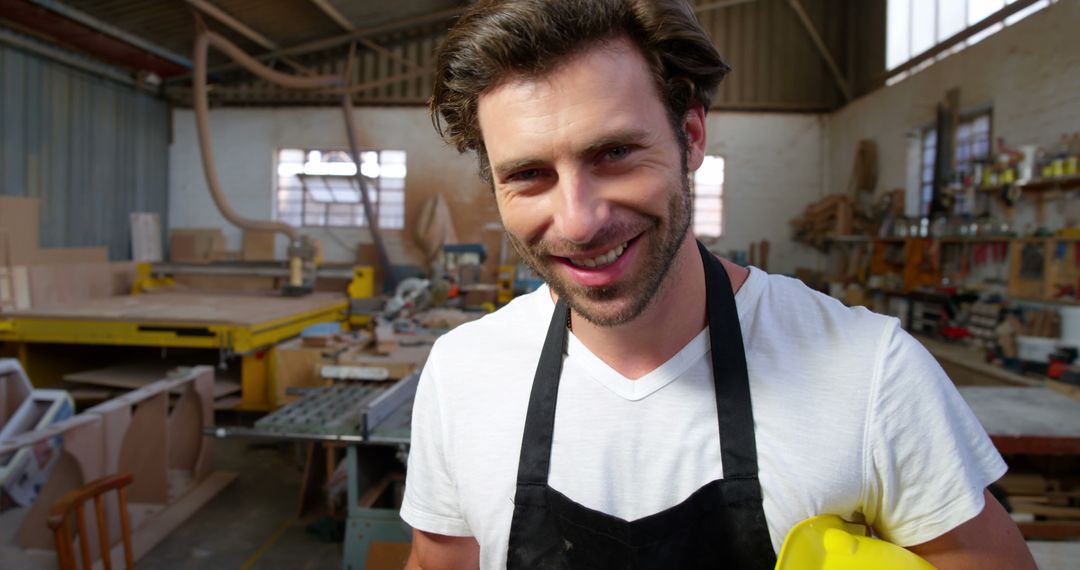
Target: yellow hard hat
[(829, 542)]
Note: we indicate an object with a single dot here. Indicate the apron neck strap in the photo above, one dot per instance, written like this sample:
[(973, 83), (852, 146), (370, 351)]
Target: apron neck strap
[(735, 415), (732, 385), (535, 461)]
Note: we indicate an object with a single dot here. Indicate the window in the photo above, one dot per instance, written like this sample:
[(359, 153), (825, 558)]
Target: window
[(915, 26), (926, 171), (972, 145), (708, 193), (319, 188)]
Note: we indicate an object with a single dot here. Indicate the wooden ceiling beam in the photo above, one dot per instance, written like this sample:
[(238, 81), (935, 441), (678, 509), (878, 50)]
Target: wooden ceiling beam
[(340, 40), (719, 5), (334, 14), (243, 29), (807, 23)]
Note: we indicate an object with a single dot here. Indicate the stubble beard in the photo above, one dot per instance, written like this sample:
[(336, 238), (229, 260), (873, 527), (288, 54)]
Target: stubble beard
[(641, 289)]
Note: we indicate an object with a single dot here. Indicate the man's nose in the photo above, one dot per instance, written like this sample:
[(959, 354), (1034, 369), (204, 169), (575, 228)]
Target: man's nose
[(582, 212)]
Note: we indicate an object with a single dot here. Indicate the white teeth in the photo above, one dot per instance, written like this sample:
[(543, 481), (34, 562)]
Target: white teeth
[(600, 260)]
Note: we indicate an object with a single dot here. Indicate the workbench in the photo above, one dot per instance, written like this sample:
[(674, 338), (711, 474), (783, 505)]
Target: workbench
[(1030, 421), (242, 325)]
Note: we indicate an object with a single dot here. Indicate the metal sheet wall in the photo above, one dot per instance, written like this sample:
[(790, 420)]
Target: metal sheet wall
[(91, 149)]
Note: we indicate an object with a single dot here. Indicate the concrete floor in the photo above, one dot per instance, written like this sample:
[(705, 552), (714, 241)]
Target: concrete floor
[(251, 524)]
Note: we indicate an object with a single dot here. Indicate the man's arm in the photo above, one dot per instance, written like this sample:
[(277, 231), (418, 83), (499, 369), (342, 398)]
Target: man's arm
[(440, 552), (990, 541)]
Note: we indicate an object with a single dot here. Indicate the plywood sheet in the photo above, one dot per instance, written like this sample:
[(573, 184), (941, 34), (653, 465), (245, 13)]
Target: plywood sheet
[(258, 246), (135, 375), (196, 244), (62, 255), (179, 308), (19, 219)]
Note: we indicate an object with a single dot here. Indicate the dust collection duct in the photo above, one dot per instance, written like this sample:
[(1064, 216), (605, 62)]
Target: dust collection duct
[(301, 248)]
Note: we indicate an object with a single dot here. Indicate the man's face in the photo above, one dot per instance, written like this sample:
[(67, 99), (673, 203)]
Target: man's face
[(590, 179)]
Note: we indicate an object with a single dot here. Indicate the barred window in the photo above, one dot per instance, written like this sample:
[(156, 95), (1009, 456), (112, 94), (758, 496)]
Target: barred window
[(708, 191), (318, 187)]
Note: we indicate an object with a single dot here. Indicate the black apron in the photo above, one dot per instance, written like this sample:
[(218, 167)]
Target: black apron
[(721, 525)]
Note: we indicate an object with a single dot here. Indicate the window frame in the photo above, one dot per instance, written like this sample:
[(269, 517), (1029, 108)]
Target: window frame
[(382, 191), (926, 167), (971, 33), (715, 191)]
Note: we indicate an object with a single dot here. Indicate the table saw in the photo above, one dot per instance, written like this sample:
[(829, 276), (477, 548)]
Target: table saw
[(370, 418)]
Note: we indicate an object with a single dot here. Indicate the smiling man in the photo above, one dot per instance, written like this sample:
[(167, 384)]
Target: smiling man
[(654, 406)]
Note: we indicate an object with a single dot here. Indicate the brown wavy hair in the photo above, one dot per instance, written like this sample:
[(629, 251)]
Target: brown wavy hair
[(496, 40)]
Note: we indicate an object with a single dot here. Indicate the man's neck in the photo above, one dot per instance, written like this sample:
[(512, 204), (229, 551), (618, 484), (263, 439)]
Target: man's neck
[(674, 317)]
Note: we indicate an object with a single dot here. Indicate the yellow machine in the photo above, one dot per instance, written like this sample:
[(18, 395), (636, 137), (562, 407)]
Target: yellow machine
[(248, 327), (831, 543)]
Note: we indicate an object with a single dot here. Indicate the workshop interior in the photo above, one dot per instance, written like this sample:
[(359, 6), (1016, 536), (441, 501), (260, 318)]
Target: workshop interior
[(229, 237)]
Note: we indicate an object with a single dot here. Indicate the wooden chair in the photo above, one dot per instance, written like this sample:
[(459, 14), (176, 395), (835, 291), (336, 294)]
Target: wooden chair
[(59, 520)]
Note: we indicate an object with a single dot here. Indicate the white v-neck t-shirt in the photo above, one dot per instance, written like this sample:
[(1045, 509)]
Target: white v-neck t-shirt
[(852, 417)]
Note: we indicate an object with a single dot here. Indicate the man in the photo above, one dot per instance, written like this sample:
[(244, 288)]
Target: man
[(653, 406)]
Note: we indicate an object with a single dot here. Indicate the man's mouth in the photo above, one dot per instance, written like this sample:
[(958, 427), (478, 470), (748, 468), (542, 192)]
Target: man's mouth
[(599, 261)]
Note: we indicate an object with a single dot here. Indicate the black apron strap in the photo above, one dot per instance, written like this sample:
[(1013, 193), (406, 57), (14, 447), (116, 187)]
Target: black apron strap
[(738, 447), (535, 461)]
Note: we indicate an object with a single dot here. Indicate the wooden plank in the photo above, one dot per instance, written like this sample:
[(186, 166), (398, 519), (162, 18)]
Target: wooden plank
[(969, 368), (258, 246), (398, 363), (386, 341), (135, 375), (5, 257), (193, 245), (1069, 390), (62, 255), (179, 308), (19, 219)]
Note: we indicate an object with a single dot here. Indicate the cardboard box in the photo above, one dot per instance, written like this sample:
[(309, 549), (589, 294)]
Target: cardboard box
[(196, 245), (258, 246)]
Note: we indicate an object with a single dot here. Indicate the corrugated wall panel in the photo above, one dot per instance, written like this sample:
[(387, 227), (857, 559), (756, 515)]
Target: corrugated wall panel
[(91, 149)]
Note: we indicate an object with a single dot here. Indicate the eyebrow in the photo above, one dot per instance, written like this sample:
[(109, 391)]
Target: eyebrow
[(631, 135)]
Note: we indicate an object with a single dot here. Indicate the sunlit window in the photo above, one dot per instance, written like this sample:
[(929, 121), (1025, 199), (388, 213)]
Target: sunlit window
[(319, 188), (708, 190), (915, 26)]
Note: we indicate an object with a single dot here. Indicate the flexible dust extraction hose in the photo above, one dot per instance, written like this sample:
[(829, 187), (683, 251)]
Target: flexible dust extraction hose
[(203, 40)]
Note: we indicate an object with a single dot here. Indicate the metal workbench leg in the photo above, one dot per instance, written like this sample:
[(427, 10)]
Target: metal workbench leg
[(366, 525)]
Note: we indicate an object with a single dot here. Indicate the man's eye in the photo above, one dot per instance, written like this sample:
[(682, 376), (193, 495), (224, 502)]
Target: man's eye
[(525, 174), (617, 153)]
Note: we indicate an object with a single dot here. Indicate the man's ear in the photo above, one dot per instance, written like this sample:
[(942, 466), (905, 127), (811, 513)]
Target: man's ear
[(694, 129)]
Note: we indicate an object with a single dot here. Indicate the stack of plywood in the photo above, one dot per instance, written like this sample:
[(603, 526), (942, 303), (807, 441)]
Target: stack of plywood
[(32, 276)]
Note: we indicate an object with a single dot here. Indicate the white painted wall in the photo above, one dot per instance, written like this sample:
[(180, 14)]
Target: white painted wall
[(1029, 73), (245, 146), (774, 169)]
